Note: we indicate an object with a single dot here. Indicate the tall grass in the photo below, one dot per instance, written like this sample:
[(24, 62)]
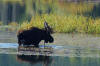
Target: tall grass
[(64, 24)]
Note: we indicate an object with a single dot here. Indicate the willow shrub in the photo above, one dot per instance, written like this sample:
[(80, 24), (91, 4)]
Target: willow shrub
[(97, 25), (64, 24)]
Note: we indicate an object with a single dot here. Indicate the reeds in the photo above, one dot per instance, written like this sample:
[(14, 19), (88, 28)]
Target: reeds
[(64, 24)]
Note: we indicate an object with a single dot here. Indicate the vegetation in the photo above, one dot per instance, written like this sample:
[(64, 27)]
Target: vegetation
[(13, 24), (1, 23), (66, 17), (14, 1), (65, 24)]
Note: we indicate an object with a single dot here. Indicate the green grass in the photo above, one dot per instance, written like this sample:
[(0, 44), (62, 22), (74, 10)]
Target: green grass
[(64, 24)]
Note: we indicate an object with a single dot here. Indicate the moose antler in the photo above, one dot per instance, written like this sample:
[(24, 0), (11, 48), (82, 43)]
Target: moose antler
[(47, 27)]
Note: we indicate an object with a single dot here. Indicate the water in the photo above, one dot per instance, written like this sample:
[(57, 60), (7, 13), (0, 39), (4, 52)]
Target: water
[(14, 60), (68, 49), (71, 56)]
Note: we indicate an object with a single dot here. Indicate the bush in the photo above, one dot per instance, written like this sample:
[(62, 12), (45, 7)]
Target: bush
[(65, 24)]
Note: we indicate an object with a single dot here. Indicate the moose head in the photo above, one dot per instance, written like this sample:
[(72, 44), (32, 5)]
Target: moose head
[(48, 29)]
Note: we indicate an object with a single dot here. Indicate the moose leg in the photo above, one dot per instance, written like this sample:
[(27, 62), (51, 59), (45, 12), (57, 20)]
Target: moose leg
[(44, 44), (19, 42), (36, 44)]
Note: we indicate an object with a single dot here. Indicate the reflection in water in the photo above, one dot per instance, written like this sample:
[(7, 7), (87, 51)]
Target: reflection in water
[(78, 51), (59, 60), (11, 60), (34, 59)]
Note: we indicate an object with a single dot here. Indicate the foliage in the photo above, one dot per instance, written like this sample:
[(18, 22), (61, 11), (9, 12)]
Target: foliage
[(76, 8), (14, 1), (13, 24), (62, 16), (1, 23), (66, 24)]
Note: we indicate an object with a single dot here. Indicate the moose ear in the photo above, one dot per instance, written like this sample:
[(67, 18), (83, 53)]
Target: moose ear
[(47, 27)]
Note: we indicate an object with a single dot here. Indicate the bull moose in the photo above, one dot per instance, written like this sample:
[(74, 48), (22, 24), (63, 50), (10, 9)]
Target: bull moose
[(34, 35)]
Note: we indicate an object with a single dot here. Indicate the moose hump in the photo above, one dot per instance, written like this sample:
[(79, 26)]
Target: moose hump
[(34, 35)]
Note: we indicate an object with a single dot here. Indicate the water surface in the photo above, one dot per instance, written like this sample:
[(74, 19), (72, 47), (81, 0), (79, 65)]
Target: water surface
[(68, 49), (61, 56)]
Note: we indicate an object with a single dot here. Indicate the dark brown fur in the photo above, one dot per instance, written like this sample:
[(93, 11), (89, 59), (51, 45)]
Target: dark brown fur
[(34, 36)]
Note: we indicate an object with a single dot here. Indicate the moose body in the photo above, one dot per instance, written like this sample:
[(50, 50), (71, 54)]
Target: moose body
[(34, 36)]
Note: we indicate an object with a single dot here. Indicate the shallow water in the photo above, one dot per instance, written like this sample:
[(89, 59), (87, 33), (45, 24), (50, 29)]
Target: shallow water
[(61, 56), (73, 45), (68, 49), (15, 60)]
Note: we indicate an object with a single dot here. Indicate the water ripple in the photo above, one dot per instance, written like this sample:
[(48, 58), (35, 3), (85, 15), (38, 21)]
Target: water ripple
[(70, 51)]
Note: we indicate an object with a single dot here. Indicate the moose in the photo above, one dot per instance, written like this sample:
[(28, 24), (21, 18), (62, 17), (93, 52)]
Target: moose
[(34, 35)]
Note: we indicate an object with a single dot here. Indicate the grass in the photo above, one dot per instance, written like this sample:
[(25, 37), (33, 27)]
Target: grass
[(64, 24), (12, 26), (61, 24)]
